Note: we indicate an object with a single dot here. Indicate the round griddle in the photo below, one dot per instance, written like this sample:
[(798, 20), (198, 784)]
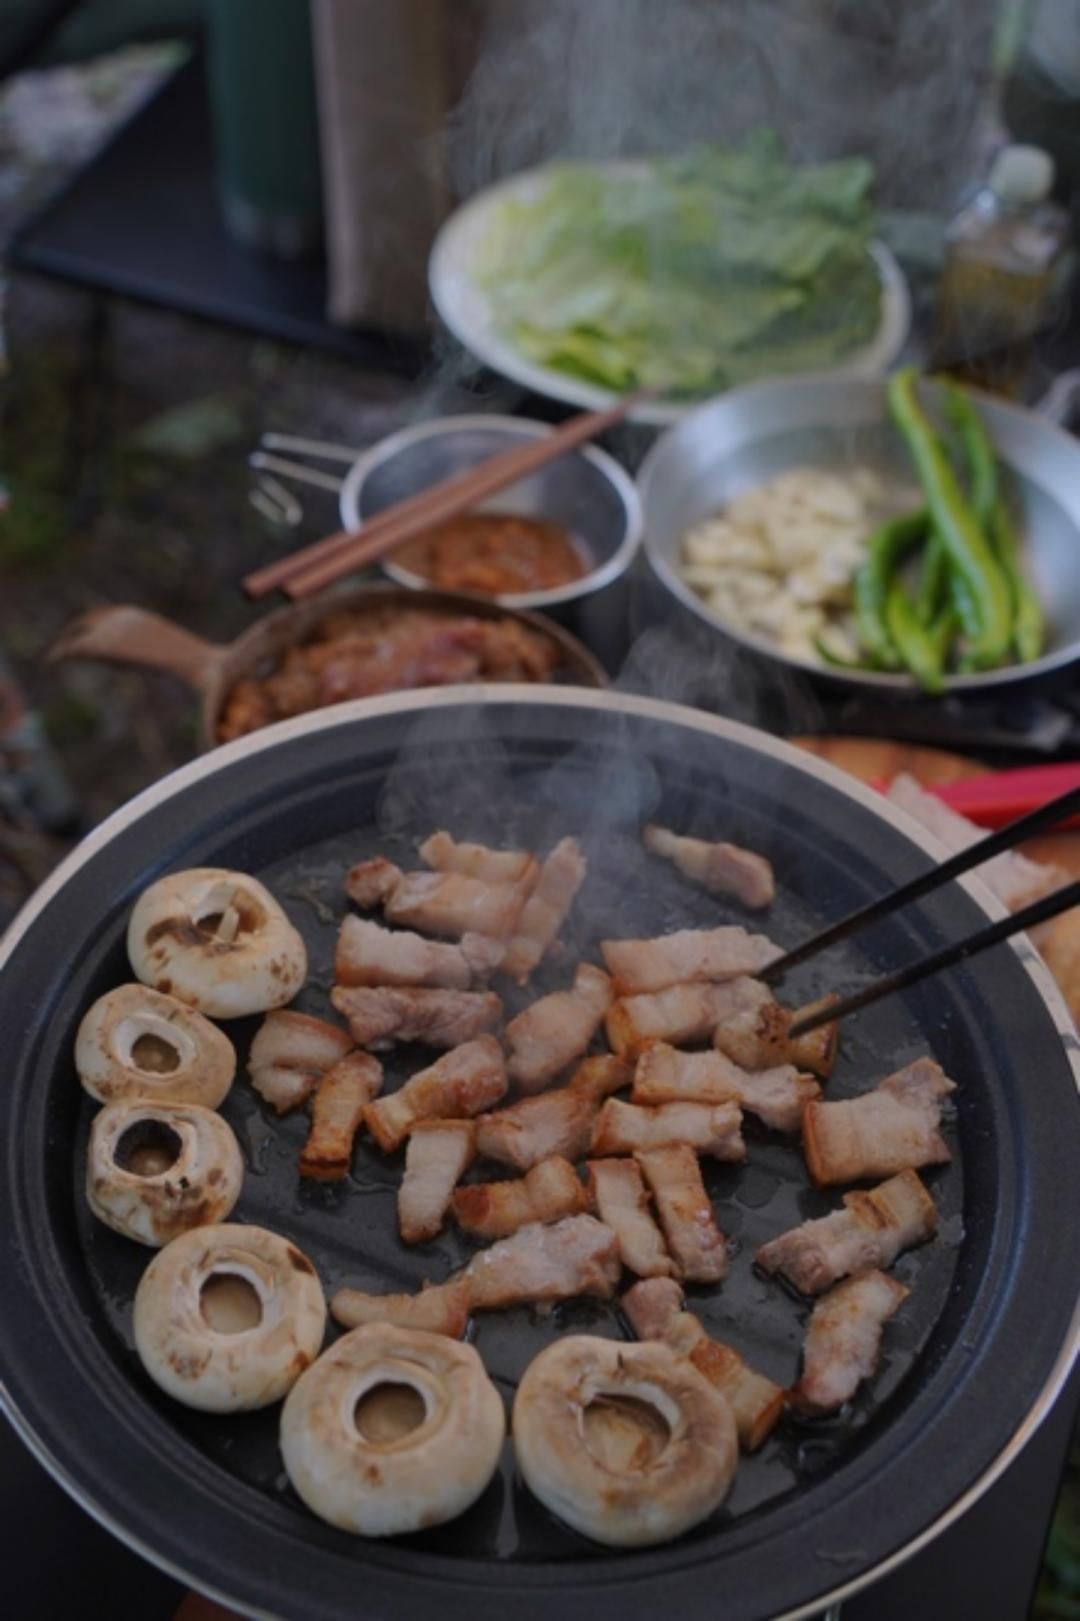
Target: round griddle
[(971, 1363)]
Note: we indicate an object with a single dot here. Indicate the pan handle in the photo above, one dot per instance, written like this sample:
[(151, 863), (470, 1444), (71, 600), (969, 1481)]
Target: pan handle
[(1060, 399), (123, 634)]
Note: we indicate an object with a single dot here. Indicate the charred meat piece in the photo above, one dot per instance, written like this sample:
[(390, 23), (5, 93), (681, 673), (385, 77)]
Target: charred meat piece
[(893, 1128), (461, 1083), (722, 869), (709, 1128), (290, 1054), (545, 911), (371, 883), (687, 957), (550, 1034), (753, 1031), (577, 1256), (843, 1340), (436, 1157), (696, 1243), (368, 954), (777, 1096), (870, 1231), (337, 1109), (547, 1193), (444, 854), (379, 1016), (559, 1122), (623, 1204), (440, 1309)]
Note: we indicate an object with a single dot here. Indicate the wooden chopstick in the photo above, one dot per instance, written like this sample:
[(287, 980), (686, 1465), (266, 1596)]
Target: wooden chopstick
[(1038, 912), (312, 567), (1036, 821)]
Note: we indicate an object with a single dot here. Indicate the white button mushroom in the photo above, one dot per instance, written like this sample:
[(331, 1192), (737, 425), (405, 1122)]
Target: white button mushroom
[(627, 1443), (138, 1043), (392, 1430), (227, 1318), (218, 940), (156, 1170)]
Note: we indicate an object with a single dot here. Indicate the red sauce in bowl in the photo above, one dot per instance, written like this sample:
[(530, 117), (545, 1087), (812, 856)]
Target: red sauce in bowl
[(496, 554)]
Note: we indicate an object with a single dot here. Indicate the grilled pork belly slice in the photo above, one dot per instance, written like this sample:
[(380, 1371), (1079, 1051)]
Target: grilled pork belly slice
[(444, 854), (290, 1054), (371, 883), (558, 1122), (368, 954), (654, 1309), (439, 1308), (576, 1256), (710, 1128), (623, 1204), (547, 1193), (437, 902), (893, 1128), (870, 1231), (722, 869), (461, 1083), (550, 1034), (545, 911), (843, 1340), (752, 1030), (436, 1157), (777, 1096), (380, 1015), (337, 1109), (679, 1014), (696, 1243), (689, 956)]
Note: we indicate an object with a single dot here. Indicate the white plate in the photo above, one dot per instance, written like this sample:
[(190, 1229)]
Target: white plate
[(465, 308)]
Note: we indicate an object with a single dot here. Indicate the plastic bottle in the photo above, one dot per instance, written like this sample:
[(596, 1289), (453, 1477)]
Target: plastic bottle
[(1005, 266)]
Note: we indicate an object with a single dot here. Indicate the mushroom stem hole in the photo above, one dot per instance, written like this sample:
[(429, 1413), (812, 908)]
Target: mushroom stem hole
[(154, 1055), (240, 914), (147, 1148), (624, 1433), (388, 1412), (229, 1303)]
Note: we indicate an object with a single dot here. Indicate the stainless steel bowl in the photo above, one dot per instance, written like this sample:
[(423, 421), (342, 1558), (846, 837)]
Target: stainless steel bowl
[(585, 491), (751, 434)]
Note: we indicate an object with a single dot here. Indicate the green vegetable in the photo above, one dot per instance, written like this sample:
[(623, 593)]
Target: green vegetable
[(984, 603), (1029, 621), (884, 550), (933, 579), (978, 453), (921, 649), (689, 274), (831, 654)]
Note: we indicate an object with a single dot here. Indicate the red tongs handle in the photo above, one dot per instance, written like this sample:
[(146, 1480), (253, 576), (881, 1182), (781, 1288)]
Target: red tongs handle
[(1001, 796)]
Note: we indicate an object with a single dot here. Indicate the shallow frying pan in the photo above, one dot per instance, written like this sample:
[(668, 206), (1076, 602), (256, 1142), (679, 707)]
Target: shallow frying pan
[(972, 1362)]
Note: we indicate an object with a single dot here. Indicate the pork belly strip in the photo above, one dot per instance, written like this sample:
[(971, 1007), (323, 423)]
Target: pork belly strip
[(444, 854), (687, 957), (753, 1031), (623, 1204), (436, 1157), (679, 1014), (380, 1015), (709, 1128), (546, 909), (558, 1122), (337, 1109), (547, 1193), (777, 1096), (686, 1216), (654, 1309), (843, 1340), (461, 1083), (448, 903), (368, 954), (722, 869), (290, 1054), (893, 1128), (576, 1256), (869, 1232), (550, 1034), (440, 1308)]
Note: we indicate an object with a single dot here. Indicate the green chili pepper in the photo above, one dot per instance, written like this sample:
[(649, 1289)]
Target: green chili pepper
[(1029, 621), (985, 604), (885, 548), (933, 579), (829, 655), (922, 652), (978, 453)]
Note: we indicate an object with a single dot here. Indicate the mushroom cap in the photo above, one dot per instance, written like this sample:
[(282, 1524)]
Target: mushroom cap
[(217, 940), (432, 1473), (107, 1050), (155, 1205), (217, 1371), (655, 1483)]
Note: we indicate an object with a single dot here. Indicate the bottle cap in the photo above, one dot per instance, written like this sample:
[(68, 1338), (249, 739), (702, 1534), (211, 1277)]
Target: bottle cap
[(1022, 174)]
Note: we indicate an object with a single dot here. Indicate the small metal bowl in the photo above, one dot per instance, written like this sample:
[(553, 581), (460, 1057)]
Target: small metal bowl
[(584, 490)]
